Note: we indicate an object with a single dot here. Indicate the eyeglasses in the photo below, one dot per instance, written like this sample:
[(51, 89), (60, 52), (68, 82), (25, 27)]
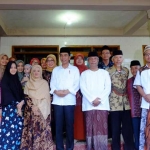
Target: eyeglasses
[(147, 55), (105, 53), (50, 60)]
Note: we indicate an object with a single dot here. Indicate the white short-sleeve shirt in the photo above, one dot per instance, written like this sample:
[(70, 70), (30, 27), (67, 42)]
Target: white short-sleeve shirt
[(143, 79)]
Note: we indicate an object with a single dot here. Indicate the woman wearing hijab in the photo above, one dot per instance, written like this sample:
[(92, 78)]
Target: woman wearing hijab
[(36, 133), (20, 68), (50, 65), (79, 124), (43, 63), (34, 61), (12, 102), (12, 59), (3, 63)]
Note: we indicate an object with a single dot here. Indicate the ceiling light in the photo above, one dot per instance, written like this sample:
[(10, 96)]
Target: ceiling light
[(69, 17), (69, 21)]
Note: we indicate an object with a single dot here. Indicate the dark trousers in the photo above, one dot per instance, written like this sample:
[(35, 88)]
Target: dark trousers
[(136, 130), (64, 115), (109, 127), (118, 119)]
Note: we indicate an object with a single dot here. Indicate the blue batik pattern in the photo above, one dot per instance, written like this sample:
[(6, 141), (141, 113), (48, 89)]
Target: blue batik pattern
[(11, 128)]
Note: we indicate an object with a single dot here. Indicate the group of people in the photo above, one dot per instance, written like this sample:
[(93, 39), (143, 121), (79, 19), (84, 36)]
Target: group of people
[(41, 102)]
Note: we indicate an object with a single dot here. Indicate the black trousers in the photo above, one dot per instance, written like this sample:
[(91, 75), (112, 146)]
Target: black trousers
[(118, 119), (64, 115)]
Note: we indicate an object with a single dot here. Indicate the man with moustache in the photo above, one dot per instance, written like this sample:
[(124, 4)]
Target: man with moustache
[(64, 84), (120, 114)]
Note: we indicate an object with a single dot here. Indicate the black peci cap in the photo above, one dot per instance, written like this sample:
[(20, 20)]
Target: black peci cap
[(117, 52), (135, 63), (92, 54), (65, 50)]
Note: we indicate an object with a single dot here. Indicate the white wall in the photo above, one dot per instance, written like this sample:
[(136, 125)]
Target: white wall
[(131, 46)]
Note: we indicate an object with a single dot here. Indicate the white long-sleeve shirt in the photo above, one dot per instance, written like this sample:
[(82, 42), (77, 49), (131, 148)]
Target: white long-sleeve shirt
[(143, 79), (95, 84), (63, 79)]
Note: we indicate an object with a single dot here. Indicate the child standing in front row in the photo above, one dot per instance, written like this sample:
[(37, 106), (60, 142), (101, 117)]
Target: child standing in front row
[(135, 102)]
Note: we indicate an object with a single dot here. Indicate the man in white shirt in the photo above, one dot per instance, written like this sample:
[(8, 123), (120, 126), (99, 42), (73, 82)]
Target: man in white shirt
[(95, 86), (64, 85), (142, 83)]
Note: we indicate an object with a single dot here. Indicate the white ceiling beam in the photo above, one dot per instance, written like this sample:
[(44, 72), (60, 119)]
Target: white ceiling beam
[(62, 32), (136, 23), (72, 32), (76, 4)]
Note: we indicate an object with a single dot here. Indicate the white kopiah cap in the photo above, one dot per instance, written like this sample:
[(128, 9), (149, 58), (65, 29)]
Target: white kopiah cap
[(146, 48)]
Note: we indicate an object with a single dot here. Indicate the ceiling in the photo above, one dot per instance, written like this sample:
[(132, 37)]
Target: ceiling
[(89, 18)]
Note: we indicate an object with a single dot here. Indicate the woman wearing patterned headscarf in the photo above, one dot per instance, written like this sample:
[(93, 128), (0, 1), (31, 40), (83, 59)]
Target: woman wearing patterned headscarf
[(37, 132)]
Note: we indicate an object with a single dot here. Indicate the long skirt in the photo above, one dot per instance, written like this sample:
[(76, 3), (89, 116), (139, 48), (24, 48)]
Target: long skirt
[(142, 128), (79, 120), (11, 128), (96, 129), (36, 133)]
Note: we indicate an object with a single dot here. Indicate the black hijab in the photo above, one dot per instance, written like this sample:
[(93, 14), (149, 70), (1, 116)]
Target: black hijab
[(11, 87)]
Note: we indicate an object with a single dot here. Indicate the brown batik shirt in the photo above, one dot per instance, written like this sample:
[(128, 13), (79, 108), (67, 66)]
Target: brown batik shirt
[(118, 97)]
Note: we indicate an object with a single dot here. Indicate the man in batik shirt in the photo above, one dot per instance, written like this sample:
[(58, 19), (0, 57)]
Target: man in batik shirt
[(120, 113)]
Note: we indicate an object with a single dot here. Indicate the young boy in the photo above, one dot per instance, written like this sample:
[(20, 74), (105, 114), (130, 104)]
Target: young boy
[(135, 102), (142, 83)]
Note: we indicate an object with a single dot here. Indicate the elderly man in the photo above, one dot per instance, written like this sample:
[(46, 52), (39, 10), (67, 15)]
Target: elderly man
[(95, 86), (120, 113), (64, 85)]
